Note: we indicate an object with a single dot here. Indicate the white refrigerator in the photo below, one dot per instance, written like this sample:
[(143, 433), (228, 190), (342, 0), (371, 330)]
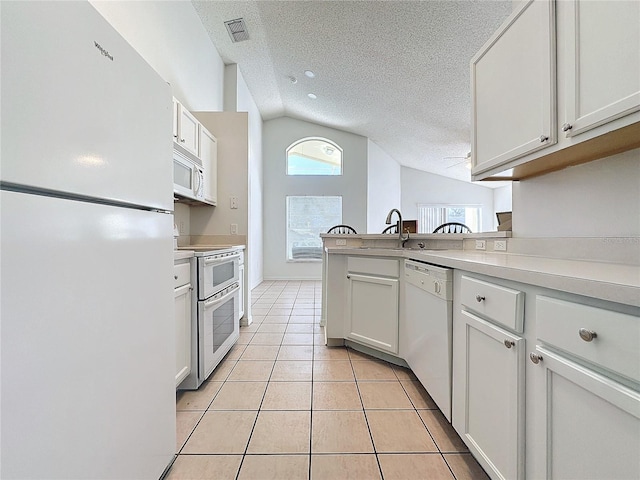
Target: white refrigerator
[(87, 336)]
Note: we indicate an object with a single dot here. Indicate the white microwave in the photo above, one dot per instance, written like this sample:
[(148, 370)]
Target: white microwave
[(188, 177)]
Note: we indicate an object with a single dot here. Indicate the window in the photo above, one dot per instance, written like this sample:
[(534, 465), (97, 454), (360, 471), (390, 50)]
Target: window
[(307, 218), (314, 156), (432, 216)]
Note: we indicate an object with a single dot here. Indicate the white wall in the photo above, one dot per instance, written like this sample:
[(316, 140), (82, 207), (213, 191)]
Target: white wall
[(422, 187), (597, 199), (239, 99), (278, 134), (171, 38), (383, 187)]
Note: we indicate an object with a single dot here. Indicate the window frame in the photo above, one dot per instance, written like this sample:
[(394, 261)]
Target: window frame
[(286, 233), (319, 139), (447, 206)]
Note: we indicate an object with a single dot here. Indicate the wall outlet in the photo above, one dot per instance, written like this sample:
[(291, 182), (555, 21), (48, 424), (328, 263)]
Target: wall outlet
[(234, 229), (500, 245), (234, 203), (481, 244), (181, 229), (341, 242)]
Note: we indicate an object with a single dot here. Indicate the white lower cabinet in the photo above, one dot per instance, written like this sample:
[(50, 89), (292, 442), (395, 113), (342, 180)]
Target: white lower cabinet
[(182, 293), (554, 396), (588, 424), (585, 374), (488, 406), (372, 311)]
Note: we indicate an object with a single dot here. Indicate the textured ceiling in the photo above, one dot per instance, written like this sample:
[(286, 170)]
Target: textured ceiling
[(396, 72)]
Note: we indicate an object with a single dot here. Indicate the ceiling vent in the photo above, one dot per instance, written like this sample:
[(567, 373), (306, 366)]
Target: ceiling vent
[(237, 30)]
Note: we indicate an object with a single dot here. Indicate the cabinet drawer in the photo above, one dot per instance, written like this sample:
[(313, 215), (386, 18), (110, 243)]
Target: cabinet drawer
[(501, 305), (181, 274), (570, 327), (373, 266)]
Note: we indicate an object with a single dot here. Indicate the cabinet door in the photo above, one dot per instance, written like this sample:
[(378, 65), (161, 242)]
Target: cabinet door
[(589, 425), (372, 317), (209, 156), (183, 332), (489, 395), (513, 88), (188, 131), (602, 63), (176, 113)]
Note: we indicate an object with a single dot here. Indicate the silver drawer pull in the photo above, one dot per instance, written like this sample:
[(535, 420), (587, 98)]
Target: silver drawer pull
[(479, 298), (587, 335), (175, 277), (509, 343), (535, 358)]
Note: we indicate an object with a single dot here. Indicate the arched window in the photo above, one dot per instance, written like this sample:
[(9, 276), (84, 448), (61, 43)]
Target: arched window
[(314, 156)]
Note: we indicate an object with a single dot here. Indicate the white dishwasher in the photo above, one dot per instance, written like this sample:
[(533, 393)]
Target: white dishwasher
[(427, 331)]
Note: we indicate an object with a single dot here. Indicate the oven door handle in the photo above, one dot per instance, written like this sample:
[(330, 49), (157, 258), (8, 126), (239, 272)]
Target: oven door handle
[(211, 261), (212, 303)]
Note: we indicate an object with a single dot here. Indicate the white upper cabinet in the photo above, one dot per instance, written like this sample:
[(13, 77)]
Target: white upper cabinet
[(540, 105), (209, 157), (602, 48), (188, 129), (175, 119), (200, 145), (513, 88)]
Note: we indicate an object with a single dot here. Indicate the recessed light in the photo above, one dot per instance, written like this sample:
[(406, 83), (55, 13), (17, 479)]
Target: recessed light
[(312, 96), (309, 73)]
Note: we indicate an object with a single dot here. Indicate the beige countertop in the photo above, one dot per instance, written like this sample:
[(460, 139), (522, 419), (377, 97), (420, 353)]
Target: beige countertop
[(607, 281), (182, 254)]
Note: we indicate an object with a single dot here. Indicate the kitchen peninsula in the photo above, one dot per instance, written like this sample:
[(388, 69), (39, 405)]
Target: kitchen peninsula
[(562, 333)]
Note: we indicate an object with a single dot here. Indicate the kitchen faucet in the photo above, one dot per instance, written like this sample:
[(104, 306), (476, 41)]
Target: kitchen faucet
[(401, 239)]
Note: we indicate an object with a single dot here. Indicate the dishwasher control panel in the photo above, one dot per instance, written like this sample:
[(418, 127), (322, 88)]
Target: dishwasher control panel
[(432, 279)]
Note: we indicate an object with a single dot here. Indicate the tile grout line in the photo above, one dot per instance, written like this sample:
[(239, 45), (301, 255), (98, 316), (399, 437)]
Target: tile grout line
[(246, 448), (366, 418)]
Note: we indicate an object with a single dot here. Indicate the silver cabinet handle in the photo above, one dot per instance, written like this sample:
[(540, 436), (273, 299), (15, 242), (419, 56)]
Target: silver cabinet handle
[(509, 343), (587, 335), (479, 298), (175, 277), (566, 127), (182, 140), (535, 358), (348, 276), (543, 138)]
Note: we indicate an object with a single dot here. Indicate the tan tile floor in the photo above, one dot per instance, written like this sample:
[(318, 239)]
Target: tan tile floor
[(283, 406)]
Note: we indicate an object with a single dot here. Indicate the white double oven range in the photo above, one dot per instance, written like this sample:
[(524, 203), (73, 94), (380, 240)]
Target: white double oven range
[(216, 308)]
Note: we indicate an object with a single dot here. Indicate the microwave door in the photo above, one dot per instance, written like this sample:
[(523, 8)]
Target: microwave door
[(182, 178)]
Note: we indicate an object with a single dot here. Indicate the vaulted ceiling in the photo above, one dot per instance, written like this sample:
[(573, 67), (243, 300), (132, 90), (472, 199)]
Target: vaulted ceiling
[(396, 72)]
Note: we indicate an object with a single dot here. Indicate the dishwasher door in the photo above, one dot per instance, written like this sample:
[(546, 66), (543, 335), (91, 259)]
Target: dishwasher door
[(428, 322)]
